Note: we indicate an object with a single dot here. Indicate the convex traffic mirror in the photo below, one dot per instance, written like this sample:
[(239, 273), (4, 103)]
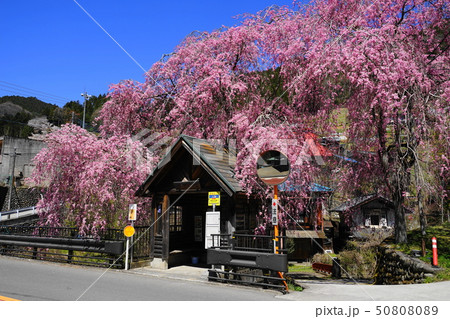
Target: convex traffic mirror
[(272, 167)]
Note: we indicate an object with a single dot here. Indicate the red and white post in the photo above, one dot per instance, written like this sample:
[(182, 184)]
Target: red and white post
[(435, 253)]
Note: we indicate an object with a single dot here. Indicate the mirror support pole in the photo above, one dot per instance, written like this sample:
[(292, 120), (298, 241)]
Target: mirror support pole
[(275, 227)]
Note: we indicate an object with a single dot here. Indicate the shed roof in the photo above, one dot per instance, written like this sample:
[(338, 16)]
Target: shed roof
[(359, 201)]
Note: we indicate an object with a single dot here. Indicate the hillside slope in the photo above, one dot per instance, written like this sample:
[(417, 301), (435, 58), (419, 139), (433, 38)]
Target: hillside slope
[(9, 108), (30, 104)]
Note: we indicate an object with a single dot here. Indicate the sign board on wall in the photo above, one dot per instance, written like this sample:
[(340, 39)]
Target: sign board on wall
[(213, 198), (274, 211), (212, 227)]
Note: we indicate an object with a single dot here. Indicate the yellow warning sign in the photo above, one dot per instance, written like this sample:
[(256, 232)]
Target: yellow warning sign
[(128, 231)]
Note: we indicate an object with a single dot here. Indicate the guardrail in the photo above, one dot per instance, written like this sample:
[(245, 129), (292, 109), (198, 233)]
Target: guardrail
[(90, 251), (257, 243), (250, 259), (247, 259), (88, 245), (67, 245), (17, 213)]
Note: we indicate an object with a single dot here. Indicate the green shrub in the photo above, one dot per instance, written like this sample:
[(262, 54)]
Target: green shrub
[(359, 263), (322, 258), (359, 257)]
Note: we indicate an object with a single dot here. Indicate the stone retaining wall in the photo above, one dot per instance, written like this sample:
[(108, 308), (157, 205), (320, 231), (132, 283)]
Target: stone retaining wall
[(394, 267)]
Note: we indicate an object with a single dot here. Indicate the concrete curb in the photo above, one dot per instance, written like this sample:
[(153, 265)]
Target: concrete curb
[(185, 273)]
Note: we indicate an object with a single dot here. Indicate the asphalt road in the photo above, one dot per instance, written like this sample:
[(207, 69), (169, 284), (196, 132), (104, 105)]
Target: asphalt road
[(340, 291), (31, 280), (42, 281)]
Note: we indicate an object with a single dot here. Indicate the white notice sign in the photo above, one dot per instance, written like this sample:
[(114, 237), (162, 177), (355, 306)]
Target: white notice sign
[(132, 212), (212, 227), (274, 212)]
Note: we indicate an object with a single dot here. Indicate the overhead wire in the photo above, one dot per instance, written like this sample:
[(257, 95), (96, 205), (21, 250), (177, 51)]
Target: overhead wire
[(139, 238), (19, 89), (27, 94), (146, 72)]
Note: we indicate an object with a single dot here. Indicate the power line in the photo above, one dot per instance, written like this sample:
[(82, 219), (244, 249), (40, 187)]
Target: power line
[(14, 88), (27, 94), (111, 37), (38, 91), (14, 155)]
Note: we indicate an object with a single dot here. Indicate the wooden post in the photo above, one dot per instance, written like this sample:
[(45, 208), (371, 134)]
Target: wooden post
[(153, 232), (165, 228)]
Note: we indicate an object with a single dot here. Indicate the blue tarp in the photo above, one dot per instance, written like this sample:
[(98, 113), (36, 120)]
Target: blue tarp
[(313, 187), (348, 159)]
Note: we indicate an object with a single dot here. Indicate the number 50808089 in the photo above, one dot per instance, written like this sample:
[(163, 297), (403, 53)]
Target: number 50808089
[(407, 310)]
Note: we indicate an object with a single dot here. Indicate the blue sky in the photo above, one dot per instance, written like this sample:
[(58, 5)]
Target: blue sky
[(53, 50)]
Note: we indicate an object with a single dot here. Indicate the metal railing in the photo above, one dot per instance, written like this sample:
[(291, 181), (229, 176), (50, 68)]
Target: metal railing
[(52, 232), (17, 213), (247, 259), (61, 244), (257, 243)]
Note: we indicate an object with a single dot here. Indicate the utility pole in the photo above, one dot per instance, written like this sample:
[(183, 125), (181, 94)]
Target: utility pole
[(86, 97), (11, 177)]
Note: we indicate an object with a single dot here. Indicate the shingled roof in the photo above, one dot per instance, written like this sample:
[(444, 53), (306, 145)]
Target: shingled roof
[(217, 160), (359, 201)]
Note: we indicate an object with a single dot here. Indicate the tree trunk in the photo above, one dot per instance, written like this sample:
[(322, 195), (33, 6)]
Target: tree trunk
[(165, 228), (422, 217), (400, 221)]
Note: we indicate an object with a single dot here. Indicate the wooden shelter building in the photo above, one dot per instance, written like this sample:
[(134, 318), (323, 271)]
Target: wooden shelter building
[(183, 220), (180, 185)]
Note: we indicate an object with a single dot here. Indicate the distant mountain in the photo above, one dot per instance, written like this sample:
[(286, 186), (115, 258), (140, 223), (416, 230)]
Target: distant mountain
[(16, 111), (15, 104)]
